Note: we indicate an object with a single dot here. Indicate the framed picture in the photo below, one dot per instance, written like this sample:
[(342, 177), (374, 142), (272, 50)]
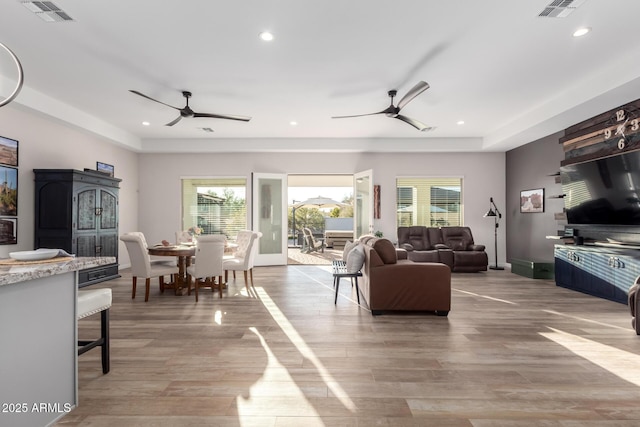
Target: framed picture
[(8, 231), (8, 151), (8, 191), (532, 201), (104, 168)]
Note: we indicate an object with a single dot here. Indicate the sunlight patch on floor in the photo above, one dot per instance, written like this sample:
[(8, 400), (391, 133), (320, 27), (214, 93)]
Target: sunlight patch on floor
[(584, 319), (485, 296), (304, 349), (621, 363)]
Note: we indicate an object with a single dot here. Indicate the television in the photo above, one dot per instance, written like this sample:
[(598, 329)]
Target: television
[(605, 191)]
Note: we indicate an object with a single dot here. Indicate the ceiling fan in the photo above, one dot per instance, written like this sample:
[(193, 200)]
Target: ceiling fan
[(394, 111), (186, 111)]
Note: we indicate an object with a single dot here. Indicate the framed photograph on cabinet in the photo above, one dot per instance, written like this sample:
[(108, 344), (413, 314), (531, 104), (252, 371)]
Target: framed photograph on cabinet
[(8, 191), (532, 201), (8, 231), (105, 168), (8, 152)]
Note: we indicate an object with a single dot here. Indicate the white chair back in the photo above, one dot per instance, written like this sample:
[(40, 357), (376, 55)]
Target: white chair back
[(139, 234), (251, 256), (138, 254), (209, 254)]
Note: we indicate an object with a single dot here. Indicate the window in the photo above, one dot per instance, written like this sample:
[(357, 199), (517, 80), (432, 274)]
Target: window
[(432, 202), (217, 205)]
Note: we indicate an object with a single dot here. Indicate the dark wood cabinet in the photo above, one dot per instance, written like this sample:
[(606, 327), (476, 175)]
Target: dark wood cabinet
[(78, 211)]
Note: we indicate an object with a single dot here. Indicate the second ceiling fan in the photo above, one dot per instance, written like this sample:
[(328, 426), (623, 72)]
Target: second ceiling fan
[(187, 112), (394, 111)]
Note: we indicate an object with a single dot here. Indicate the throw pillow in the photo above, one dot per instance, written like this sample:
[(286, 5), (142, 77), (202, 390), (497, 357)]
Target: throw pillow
[(347, 248), (355, 259), (386, 251)]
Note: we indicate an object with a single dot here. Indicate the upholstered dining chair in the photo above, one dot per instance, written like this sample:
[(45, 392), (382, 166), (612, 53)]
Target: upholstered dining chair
[(164, 261), (141, 264), (209, 253), (243, 257)]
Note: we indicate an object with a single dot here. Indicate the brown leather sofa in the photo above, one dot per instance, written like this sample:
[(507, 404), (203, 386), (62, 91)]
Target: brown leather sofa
[(392, 284), (453, 246)]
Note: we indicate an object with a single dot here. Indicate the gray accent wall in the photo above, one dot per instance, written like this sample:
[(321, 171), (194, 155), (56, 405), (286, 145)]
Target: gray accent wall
[(528, 167)]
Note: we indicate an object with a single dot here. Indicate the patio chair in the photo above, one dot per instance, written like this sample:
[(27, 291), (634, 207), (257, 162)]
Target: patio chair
[(311, 244)]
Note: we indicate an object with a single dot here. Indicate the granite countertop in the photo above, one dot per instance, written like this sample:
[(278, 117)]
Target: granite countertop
[(22, 273)]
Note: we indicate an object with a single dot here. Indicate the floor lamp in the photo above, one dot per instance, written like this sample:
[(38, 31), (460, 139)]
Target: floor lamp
[(497, 216)]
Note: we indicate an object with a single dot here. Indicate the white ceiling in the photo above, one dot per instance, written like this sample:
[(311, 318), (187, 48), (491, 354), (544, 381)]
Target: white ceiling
[(512, 76)]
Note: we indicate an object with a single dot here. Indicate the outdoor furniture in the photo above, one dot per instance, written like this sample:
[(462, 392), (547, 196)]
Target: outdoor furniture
[(311, 244), (337, 238)]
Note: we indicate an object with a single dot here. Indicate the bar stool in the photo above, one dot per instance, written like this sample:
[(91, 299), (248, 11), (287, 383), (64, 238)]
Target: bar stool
[(91, 302)]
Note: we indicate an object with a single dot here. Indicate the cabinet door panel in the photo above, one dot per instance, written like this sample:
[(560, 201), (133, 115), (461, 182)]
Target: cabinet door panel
[(108, 210), (86, 216), (108, 244), (86, 245)]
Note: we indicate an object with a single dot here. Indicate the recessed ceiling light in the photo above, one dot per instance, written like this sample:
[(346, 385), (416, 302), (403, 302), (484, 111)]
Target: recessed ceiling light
[(581, 31), (146, 124), (266, 36), (293, 123), (460, 122)]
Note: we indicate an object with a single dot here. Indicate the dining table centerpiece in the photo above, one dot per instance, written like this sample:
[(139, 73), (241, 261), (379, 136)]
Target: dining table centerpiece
[(194, 232)]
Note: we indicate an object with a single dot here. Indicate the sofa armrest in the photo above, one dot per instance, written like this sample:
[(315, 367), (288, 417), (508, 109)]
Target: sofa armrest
[(401, 253), (407, 247), (441, 246), (476, 248)]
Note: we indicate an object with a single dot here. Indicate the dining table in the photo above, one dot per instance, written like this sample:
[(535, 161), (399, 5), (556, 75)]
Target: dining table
[(183, 253)]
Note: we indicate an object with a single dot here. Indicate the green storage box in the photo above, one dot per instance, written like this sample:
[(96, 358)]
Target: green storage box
[(533, 269)]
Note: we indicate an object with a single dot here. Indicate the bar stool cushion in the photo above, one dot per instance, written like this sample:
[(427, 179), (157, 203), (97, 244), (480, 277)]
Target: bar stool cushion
[(93, 301)]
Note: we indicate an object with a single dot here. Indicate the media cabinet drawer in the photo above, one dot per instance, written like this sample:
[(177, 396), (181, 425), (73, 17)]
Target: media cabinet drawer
[(91, 276)]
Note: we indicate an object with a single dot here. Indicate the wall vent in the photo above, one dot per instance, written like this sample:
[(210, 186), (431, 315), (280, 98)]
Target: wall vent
[(560, 8), (47, 11), (207, 129)]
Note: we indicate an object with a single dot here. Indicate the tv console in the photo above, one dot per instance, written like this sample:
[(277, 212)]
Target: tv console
[(603, 271)]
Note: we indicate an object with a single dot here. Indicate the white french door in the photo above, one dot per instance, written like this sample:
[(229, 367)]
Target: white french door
[(269, 216), (363, 203)]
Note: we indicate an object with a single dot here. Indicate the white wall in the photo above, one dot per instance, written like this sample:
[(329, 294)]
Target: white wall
[(483, 174), (48, 144)]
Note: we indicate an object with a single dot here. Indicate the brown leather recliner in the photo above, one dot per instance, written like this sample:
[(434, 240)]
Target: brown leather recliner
[(391, 284), (453, 246)]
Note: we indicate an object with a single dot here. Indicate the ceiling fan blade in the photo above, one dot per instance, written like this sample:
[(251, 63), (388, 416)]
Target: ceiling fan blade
[(171, 123), (151, 99), (358, 115), (415, 91), (223, 116), (416, 124)]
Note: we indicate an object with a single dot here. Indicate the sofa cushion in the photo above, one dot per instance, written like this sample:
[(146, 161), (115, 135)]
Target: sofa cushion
[(348, 246), (355, 259), (386, 250)]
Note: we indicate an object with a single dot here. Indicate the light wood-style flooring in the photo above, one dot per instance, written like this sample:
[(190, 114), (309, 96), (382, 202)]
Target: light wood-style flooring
[(513, 352)]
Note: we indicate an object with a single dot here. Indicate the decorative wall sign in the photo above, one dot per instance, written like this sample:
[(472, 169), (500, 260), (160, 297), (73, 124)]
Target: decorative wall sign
[(8, 191), (532, 201), (4, 100), (105, 168), (8, 151), (607, 134)]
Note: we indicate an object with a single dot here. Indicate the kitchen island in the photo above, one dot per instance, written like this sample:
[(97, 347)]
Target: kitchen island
[(38, 336)]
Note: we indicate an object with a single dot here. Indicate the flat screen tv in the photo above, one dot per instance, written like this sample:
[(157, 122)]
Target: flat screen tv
[(604, 191)]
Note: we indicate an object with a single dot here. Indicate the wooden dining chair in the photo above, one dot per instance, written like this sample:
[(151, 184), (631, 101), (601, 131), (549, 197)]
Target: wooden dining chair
[(208, 266), (141, 265)]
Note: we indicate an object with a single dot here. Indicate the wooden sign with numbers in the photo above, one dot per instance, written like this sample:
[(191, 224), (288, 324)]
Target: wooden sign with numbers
[(609, 133)]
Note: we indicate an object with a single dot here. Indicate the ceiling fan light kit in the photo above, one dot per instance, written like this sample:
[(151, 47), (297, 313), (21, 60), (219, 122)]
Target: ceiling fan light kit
[(187, 112), (393, 111)]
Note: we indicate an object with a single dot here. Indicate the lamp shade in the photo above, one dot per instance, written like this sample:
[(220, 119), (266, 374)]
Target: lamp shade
[(490, 213)]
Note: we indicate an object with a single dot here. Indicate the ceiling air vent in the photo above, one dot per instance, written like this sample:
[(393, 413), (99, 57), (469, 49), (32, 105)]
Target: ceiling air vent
[(207, 129), (47, 11), (560, 8)]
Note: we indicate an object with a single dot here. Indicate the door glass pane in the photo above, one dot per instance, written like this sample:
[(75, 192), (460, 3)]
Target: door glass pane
[(364, 205), (431, 202), (270, 210)]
